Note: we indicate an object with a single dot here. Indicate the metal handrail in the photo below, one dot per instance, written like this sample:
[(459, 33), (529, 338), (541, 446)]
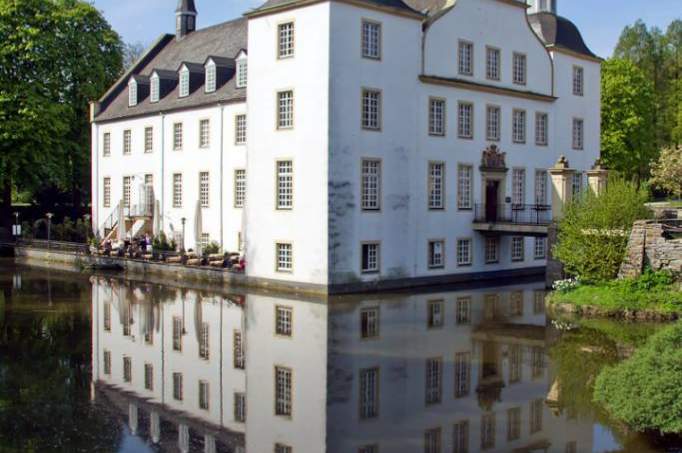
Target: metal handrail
[(516, 214)]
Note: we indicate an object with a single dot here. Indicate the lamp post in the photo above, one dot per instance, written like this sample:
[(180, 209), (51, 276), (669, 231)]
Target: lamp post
[(17, 228), (49, 216), (184, 220)]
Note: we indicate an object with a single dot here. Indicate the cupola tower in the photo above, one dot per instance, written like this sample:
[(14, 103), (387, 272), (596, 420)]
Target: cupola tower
[(185, 18), (542, 6)]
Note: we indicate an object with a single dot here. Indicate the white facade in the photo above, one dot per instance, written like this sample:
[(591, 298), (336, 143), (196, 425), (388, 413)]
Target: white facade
[(323, 226)]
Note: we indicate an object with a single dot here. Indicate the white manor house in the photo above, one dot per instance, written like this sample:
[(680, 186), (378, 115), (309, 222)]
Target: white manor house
[(343, 144)]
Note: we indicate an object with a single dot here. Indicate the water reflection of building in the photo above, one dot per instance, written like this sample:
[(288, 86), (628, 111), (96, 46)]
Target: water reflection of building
[(439, 372)]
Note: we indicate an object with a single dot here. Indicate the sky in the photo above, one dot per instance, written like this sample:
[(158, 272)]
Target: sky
[(600, 21)]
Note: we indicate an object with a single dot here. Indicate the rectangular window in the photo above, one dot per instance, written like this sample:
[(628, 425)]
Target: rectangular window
[(106, 145), (466, 58), (239, 188), (127, 369), (283, 321), (465, 186), (177, 386), (285, 184), (540, 248), (240, 407), (238, 357), (436, 316), (371, 39), (536, 409), (577, 183), (518, 187), (571, 447), (155, 90), (281, 448), (371, 184), (462, 374), (539, 302), (205, 240), (371, 109), (492, 254), (514, 424), (434, 379), (126, 191), (519, 126), (460, 437), (106, 192), (177, 333), (369, 322), (107, 362), (127, 134), (204, 395), (432, 440), (436, 185), (204, 342), (487, 431), (184, 83), (519, 69), (541, 129), (537, 362), (240, 130), (492, 63), (127, 320), (107, 317), (285, 259), (369, 393), (204, 133), (210, 78), (148, 376), (285, 33), (437, 117), (148, 139), (177, 190), (578, 81), (283, 384), (515, 363), (177, 136), (516, 303), (541, 187), (464, 257), (285, 109), (370, 258), (463, 310), (518, 247), (465, 120), (493, 123), (437, 254), (132, 94), (578, 133), (242, 73), (204, 189)]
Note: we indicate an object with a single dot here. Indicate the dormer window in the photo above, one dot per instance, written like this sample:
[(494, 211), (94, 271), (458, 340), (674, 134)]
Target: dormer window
[(242, 71), (210, 77), (132, 93), (184, 82), (155, 89)]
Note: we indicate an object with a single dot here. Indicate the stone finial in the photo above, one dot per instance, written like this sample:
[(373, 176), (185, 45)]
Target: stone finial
[(598, 165), (562, 163)]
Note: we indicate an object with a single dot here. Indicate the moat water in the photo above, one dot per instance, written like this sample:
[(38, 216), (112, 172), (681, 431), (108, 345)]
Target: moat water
[(103, 364)]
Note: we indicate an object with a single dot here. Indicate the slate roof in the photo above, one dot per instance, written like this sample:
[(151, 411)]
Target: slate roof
[(399, 4), (224, 40), (559, 32)]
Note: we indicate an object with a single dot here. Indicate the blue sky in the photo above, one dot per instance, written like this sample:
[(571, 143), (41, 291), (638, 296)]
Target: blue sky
[(600, 21)]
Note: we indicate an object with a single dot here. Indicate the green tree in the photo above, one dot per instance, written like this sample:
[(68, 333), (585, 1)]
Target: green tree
[(628, 144), (594, 232), (667, 171)]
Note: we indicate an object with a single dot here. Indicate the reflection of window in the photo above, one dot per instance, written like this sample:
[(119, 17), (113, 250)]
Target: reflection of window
[(571, 447), (463, 310), (177, 386), (283, 386), (127, 369), (177, 333), (369, 393), (240, 407), (204, 341), (462, 374), (369, 449), (369, 322), (434, 377), (539, 302), (238, 350), (436, 308), (203, 395), (148, 376), (536, 408), (281, 448), (487, 431), (460, 437), (107, 317), (514, 424), (107, 362), (516, 303), (432, 440), (515, 362), (537, 362)]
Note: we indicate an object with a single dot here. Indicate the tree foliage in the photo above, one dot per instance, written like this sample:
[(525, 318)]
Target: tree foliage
[(667, 171), (594, 232)]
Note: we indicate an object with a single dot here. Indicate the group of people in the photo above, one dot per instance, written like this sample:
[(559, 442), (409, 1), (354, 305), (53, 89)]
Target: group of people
[(135, 247)]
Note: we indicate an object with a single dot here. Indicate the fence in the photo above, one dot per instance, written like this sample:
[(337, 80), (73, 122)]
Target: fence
[(518, 214)]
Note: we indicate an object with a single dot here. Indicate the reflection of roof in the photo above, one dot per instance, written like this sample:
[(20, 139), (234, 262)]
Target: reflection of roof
[(511, 333), (557, 31)]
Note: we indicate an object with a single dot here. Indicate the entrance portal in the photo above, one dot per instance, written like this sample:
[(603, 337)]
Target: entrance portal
[(491, 199)]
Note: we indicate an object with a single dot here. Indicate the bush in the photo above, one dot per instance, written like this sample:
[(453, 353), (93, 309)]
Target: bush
[(595, 230), (212, 248), (160, 243), (645, 391)]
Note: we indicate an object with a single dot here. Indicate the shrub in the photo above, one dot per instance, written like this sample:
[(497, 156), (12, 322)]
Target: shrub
[(594, 232), (645, 391), (212, 248), (161, 244)]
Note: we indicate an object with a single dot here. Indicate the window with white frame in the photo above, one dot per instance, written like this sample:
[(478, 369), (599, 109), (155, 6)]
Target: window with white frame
[(132, 93), (283, 385), (577, 184), (464, 257), (240, 407), (106, 192), (519, 126), (285, 184), (177, 333), (371, 109), (204, 133), (434, 381), (492, 63), (205, 240), (210, 83), (371, 184), (242, 72), (106, 144), (488, 431), (465, 187), (204, 190), (437, 117), (127, 138), (492, 126), (436, 315), (240, 130), (184, 82), (492, 254), (177, 387), (518, 187), (239, 188), (541, 129), (463, 310), (578, 133), (285, 33), (369, 393), (369, 322), (540, 248), (370, 258), (462, 374), (436, 185), (204, 341), (285, 258), (204, 395), (284, 321), (238, 356), (519, 69), (177, 136), (518, 248), (437, 254), (107, 362), (148, 139), (126, 191), (285, 109), (177, 190), (155, 89), (578, 81), (466, 58), (465, 120), (460, 437), (127, 369), (541, 187), (432, 440), (371, 39)]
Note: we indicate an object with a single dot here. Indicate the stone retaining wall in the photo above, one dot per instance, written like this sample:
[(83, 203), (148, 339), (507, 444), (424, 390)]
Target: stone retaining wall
[(651, 244)]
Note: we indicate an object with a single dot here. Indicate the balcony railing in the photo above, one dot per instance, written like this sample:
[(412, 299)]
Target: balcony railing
[(517, 214)]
